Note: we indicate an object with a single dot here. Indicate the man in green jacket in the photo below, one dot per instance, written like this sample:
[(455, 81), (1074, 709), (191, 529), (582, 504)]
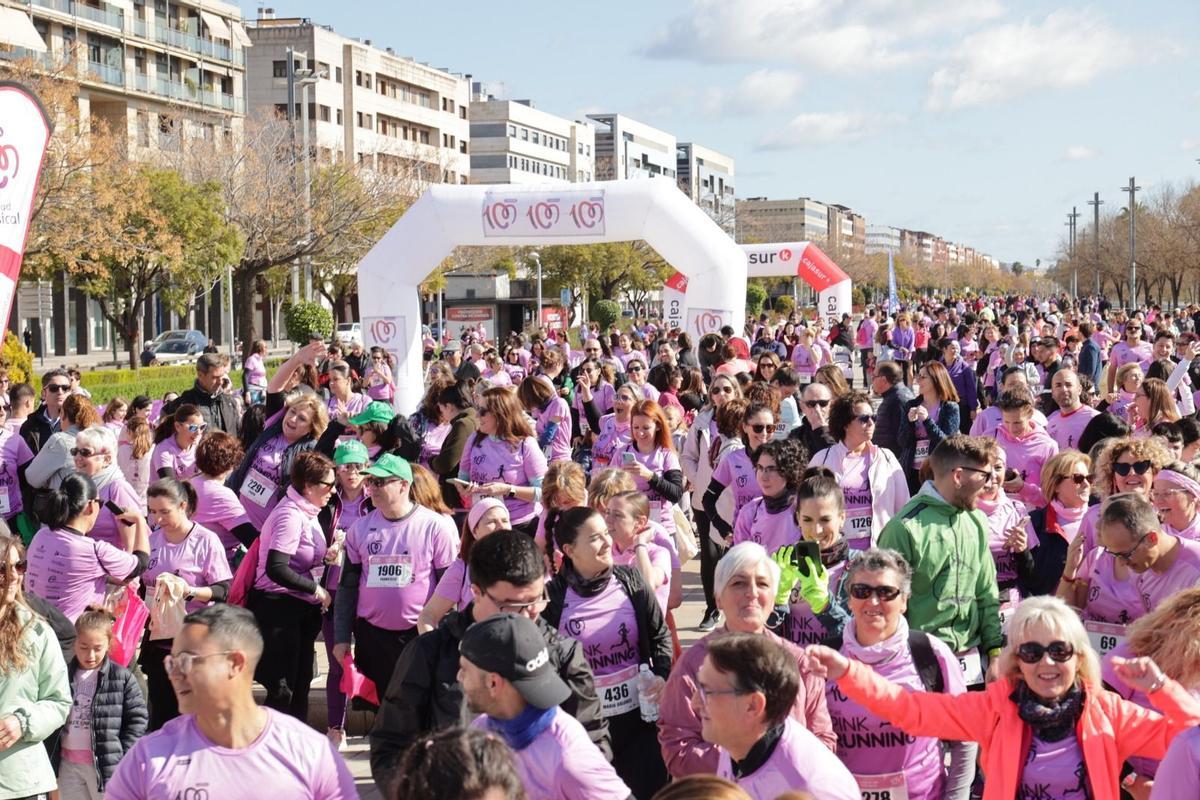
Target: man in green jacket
[(944, 537)]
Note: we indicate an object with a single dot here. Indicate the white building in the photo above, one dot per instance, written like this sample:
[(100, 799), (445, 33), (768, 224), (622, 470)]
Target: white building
[(514, 142), (372, 106), (882, 238), (707, 177), (626, 148), (800, 219)]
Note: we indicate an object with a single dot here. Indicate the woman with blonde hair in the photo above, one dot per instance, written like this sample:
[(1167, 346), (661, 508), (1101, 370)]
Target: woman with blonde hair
[(425, 490), (832, 377), (1152, 404), (1067, 485), (1047, 724), (135, 448), (564, 487), (1128, 379)]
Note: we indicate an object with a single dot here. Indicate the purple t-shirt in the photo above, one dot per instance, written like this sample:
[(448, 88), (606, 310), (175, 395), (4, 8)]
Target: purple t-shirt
[(1177, 774), (288, 757), (1054, 769), (611, 437), (455, 585), (14, 452), (605, 624), (218, 509), (69, 570), (1155, 587), (602, 395), (559, 448), (107, 528), (432, 441), (354, 405), (398, 560), (290, 530), (549, 774), (1109, 599), (493, 460), (737, 473), (659, 461), (260, 489), (802, 626), (1065, 429), (199, 559), (800, 762), (169, 455), (660, 558), (255, 371), (756, 524)]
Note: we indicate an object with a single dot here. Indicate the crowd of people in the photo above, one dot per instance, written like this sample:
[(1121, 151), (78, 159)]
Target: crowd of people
[(949, 551)]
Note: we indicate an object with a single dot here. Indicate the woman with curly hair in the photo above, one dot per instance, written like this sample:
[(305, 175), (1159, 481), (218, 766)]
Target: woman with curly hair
[(770, 519)]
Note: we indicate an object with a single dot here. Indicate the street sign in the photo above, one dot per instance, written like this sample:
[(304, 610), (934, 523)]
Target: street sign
[(564, 298)]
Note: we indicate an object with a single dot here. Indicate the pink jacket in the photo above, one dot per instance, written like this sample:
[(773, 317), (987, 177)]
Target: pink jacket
[(684, 752), (1110, 730)]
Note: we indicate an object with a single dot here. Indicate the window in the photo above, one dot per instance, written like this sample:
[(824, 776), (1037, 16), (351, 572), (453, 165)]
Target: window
[(535, 137), (512, 131), (462, 112), (323, 68), (338, 116), (524, 134), (337, 74), (462, 147), (143, 129), (279, 69), (424, 137), (324, 114)]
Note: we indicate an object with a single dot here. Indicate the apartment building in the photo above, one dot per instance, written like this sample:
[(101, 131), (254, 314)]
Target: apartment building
[(795, 220), (514, 142), (626, 148), (366, 104), (847, 230), (881, 239), (164, 72), (707, 177)]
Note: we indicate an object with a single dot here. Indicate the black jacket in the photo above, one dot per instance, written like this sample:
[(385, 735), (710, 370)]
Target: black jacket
[(37, 429), (814, 441), (64, 629), (424, 694), (118, 718), (219, 410), (888, 417)]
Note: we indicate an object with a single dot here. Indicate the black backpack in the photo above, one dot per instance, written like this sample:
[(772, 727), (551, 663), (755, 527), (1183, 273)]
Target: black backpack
[(928, 667)]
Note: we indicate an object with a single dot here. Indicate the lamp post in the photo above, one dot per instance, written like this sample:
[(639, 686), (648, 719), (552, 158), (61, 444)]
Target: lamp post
[(1132, 189), (537, 259), (307, 78)]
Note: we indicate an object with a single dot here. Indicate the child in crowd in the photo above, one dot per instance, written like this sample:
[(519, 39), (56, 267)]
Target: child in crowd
[(107, 717)]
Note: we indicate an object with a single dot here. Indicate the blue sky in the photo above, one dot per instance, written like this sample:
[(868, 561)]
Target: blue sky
[(983, 121)]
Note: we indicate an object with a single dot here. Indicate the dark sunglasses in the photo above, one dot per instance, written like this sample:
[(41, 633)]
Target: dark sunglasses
[(862, 591), (816, 403), (1033, 652), (866, 418), (634, 368), (379, 483), (200, 428), (19, 568), (1140, 467), (761, 428), (1078, 480), (721, 390), (58, 387), (84, 452), (1128, 554)]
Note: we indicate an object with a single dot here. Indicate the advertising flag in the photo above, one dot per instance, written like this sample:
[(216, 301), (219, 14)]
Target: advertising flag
[(893, 298), (24, 133)]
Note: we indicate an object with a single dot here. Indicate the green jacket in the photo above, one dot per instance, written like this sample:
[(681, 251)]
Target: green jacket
[(42, 693), (954, 592)]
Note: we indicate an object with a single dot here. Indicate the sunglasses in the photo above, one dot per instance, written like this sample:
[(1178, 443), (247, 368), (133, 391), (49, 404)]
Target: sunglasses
[(634, 368), (721, 390), (194, 428), (379, 483), (326, 484), (83, 452), (862, 591), (58, 387), (1078, 480), (351, 467), (19, 568), (761, 428), (1139, 467), (867, 419), (1033, 652), (1128, 554), (816, 403)]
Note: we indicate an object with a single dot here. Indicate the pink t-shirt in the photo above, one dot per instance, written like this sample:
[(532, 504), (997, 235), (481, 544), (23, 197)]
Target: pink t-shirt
[(737, 473), (106, 527), (288, 758), (1054, 769), (1026, 455), (800, 762), (856, 494), (602, 396), (1123, 354), (562, 763), (255, 371), (612, 436), (69, 571), (377, 380), (755, 523), (605, 624), (135, 470), (199, 559), (218, 509), (660, 558), (352, 511), (289, 530), (435, 437), (169, 455), (1065, 429), (557, 410), (658, 462), (259, 492), (1177, 774), (455, 585), (493, 460), (1109, 599), (1155, 587), (14, 452), (398, 559)]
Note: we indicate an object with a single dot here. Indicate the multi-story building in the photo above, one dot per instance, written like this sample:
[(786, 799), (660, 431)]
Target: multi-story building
[(707, 177), (626, 148), (882, 238), (797, 220), (368, 105), (514, 142), (163, 73), (847, 230)]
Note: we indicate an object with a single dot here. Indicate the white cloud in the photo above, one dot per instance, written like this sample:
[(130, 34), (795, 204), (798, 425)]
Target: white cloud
[(1190, 144), (849, 35), (1079, 152), (1067, 49), (814, 129), (761, 91)]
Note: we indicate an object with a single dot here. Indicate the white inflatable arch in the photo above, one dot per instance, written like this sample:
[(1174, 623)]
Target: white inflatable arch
[(510, 215), (806, 261)]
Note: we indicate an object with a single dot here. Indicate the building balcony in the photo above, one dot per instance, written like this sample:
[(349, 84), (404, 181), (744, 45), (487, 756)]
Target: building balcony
[(105, 74), (165, 34), (47, 60), (190, 94), (105, 14)]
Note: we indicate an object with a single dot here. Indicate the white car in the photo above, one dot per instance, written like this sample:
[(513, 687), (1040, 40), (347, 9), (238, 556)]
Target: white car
[(348, 333), (177, 351)]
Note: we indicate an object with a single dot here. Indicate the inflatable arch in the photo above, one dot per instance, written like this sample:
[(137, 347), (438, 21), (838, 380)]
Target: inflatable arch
[(586, 213), (806, 261)]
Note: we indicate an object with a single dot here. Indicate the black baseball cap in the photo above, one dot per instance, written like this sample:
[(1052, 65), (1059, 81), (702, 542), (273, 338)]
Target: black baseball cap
[(512, 647)]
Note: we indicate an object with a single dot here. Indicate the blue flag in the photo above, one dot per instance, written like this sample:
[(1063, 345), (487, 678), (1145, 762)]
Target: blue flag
[(893, 298)]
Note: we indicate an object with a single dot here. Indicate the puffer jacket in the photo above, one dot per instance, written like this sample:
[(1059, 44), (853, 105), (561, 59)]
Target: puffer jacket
[(119, 718)]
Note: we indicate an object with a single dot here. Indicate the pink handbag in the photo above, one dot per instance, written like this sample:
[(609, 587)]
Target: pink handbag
[(132, 615)]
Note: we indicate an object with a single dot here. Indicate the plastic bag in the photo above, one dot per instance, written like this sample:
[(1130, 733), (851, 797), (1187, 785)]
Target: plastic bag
[(166, 616), (243, 579), (355, 684), (132, 615), (685, 537)]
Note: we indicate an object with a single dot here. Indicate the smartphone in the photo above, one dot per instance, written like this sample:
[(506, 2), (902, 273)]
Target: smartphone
[(115, 509), (806, 549), (459, 482), (627, 458)]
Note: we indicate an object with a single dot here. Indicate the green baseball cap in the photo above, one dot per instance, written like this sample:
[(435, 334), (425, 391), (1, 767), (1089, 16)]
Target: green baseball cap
[(377, 411), (390, 466), (351, 451)]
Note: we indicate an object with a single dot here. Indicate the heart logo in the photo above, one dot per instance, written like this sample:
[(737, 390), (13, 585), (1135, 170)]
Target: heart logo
[(382, 330), (500, 215), (588, 213), (709, 322), (543, 215), (10, 162)]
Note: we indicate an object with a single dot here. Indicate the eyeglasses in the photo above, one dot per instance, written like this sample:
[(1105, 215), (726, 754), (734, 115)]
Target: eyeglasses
[(197, 428), (1139, 467), (721, 390), (634, 368), (184, 662), (83, 452), (1128, 554), (507, 607), (767, 365), (862, 591), (988, 475), (16, 568), (816, 403), (866, 419), (326, 484), (58, 387), (351, 467), (379, 483), (758, 428), (1078, 480), (767, 469), (705, 693), (1033, 652)]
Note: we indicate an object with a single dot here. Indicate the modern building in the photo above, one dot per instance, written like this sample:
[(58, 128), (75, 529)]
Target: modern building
[(707, 177), (626, 148), (881, 239), (164, 73), (367, 104), (797, 220), (847, 231), (514, 142)]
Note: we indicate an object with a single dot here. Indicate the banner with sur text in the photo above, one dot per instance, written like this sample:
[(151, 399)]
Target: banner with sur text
[(24, 134)]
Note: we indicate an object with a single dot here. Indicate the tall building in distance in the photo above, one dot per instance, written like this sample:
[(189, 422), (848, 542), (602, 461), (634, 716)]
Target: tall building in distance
[(514, 142), (847, 231), (796, 220), (881, 239), (626, 148), (368, 105), (707, 177)]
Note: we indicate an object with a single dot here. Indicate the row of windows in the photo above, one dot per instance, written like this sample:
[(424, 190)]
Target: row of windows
[(546, 139), (388, 88)]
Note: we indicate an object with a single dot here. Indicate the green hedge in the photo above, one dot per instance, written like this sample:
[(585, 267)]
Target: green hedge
[(154, 382)]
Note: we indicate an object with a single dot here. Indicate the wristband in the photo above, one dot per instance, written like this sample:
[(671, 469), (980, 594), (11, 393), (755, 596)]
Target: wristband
[(994, 652)]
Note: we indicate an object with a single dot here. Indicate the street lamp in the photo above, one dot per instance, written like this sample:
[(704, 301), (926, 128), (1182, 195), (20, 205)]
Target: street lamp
[(307, 78), (537, 259)]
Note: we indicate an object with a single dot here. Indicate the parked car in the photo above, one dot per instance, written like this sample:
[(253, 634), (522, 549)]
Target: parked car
[(348, 333), (191, 338), (177, 351)]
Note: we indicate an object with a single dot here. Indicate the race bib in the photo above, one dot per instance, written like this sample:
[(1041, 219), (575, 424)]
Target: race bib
[(1104, 636), (972, 666), (5, 506), (805, 377), (389, 572), (858, 524), (922, 453), (258, 488), (618, 691), (1007, 609), (890, 786)]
